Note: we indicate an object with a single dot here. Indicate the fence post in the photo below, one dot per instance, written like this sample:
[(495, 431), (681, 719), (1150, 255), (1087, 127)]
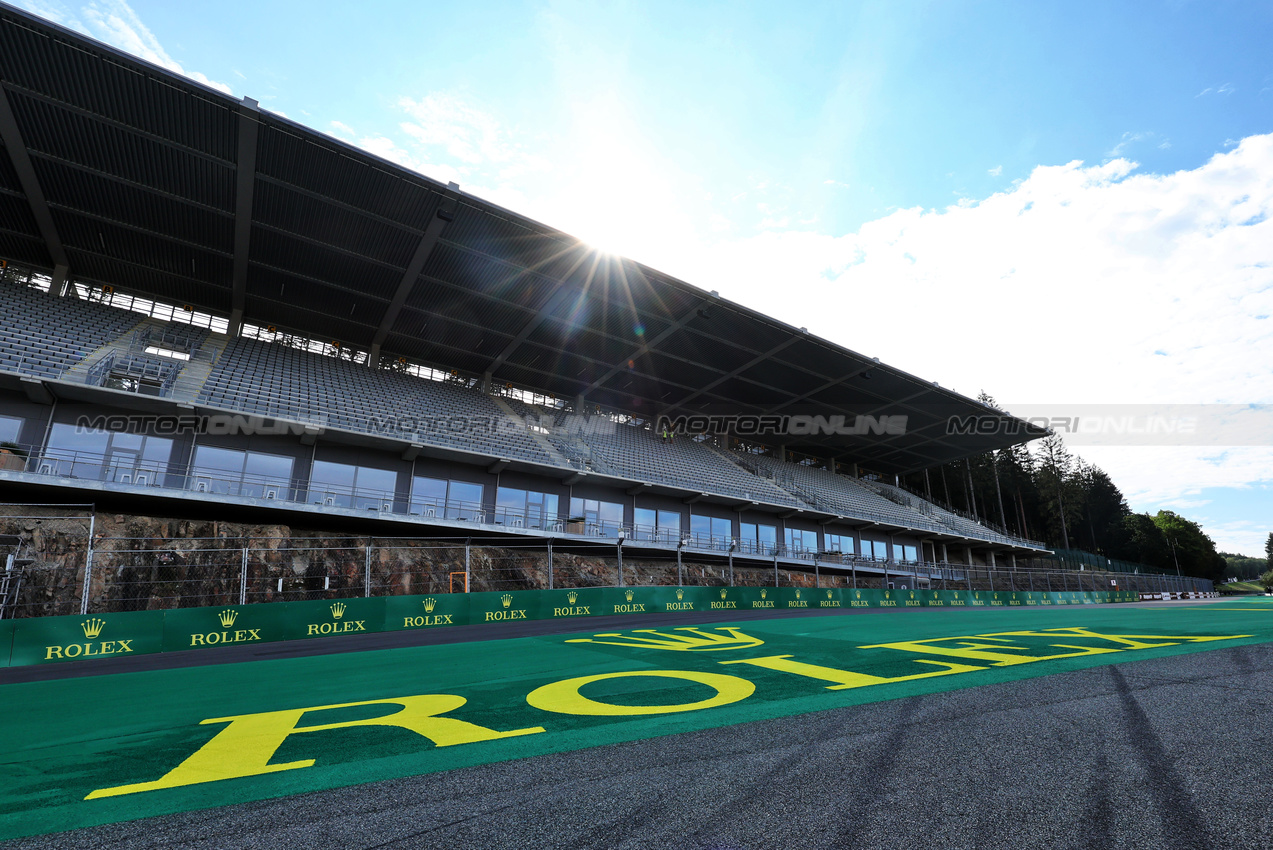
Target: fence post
[(680, 576), (619, 551), (467, 541), (88, 566), (243, 576), (550, 563), (817, 579), (366, 575), (775, 567)]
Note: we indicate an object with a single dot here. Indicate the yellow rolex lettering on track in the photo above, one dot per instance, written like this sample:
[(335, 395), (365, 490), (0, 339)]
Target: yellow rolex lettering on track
[(246, 745)]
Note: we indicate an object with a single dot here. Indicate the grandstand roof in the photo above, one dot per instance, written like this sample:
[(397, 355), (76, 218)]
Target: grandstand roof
[(130, 175)]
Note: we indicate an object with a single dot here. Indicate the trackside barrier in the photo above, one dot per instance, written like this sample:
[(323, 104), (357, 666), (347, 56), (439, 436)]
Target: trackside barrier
[(49, 640)]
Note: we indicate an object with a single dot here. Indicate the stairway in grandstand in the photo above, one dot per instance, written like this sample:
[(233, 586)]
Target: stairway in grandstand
[(130, 346), (46, 335), (542, 441)]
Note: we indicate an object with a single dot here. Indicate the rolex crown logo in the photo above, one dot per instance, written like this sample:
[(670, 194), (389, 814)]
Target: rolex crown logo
[(227, 618), (429, 605), (934, 594), (763, 593), (680, 594), (724, 593), (797, 593), (92, 627), (571, 597), (627, 594), (506, 600), (858, 594), (688, 639), (912, 594), (828, 594), (338, 610)]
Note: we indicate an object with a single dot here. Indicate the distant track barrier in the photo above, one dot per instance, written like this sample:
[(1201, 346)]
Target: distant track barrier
[(52, 640)]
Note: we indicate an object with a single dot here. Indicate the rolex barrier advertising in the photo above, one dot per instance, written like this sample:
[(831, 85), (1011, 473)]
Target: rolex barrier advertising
[(49, 640)]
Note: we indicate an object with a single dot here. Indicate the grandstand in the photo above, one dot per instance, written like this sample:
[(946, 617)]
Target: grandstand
[(414, 357)]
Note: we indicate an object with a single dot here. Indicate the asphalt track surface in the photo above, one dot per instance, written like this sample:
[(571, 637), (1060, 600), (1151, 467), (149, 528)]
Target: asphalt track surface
[(1171, 752)]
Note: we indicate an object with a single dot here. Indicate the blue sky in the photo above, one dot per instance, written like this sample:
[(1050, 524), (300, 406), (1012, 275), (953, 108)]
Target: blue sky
[(1054, 202)]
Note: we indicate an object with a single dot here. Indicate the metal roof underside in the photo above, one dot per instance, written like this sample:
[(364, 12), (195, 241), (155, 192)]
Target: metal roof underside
[(139, 172)]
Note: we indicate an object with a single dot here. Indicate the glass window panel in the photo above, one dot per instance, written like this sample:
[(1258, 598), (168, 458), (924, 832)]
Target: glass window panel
[(464, 501), (267, 466), (78, 453), (332, 483), (157, 449), (216, 470), (333, 474), (701, 528), (646, 523), (511, 505), (10, 428), (427, 494), (126, 441), (218, 460), (611, 513), (374, 488)]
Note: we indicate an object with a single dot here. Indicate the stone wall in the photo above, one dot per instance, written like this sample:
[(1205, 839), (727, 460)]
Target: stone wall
[(147, 563)]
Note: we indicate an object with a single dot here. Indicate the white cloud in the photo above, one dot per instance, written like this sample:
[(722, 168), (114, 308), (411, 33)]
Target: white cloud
[(1077, 283), (115, 23), (996, 171)]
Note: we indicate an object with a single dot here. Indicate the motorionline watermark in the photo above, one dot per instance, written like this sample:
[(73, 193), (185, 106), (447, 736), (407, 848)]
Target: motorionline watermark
[(1127, 424), (422, 425), (213, 423), (794, 425)]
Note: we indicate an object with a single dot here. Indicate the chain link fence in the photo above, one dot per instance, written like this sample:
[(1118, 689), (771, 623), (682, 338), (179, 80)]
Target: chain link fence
[(131, 575)]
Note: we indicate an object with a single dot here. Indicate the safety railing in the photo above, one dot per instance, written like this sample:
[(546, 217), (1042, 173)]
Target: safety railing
[(116, 575)]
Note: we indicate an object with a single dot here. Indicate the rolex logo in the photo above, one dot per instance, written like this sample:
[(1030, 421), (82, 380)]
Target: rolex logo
[(429, 605), (976, 596), (227, 618), (572, 597), (828, 594), (858, 594), (688, 639), (627, 594), (934, 594), (912, 594), (680, 594), (763, 593), (338, 609), (92, 628), (506, 600), (724, 593), (797, 593)]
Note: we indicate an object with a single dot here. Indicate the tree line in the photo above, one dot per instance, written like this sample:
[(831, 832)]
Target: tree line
[(1045, 492)]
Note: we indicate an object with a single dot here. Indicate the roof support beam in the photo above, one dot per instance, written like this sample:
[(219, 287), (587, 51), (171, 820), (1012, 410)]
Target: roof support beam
[(245, 184), (550, 306), (735, 373), (428, 241), (21, 160), (690, 314)]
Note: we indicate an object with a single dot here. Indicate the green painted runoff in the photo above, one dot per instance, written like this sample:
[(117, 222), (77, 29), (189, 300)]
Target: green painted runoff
[(100, 749)]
